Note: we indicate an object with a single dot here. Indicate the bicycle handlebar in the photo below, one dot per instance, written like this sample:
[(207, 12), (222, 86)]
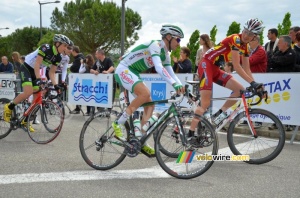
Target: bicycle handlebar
[(250, 92), (178, 99)]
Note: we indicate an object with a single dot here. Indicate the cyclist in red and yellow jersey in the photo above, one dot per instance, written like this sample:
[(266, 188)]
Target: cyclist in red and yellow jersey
[(236, 47)]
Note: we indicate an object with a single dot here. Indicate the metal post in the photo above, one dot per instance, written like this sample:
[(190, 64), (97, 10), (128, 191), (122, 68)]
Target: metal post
[(123, 27), (40, 21)]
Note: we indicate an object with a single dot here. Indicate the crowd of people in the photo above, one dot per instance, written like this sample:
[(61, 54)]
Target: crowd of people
[(238, 53)]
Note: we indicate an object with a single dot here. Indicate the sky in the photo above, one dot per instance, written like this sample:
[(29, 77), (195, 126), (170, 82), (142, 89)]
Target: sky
[(190, 15)]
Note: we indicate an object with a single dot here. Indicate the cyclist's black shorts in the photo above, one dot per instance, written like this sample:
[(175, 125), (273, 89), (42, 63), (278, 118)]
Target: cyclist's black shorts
[(27, 75)]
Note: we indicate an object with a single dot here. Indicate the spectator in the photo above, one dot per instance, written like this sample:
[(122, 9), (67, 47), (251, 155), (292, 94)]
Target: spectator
[(85, 67), (271, 47), (292, 34), (75, 69), (206, 44), (103, 65), (229, 67), (258, 57), (16, 57), (5, 66), (297, 50), (184, 64), (285, 59)]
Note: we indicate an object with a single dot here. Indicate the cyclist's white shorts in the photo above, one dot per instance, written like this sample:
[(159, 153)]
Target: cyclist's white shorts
[(127, 78)]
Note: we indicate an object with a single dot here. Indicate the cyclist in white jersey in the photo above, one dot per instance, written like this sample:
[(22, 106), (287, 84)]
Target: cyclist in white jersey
[(152, 54), (45, 56)]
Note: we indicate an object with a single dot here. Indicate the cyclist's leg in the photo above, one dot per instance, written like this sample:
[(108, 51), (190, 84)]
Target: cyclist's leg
[(26, 80), (205, 72), (226, 80)]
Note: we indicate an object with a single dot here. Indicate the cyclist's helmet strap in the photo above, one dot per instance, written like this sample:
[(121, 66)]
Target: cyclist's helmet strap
[(254, 25)]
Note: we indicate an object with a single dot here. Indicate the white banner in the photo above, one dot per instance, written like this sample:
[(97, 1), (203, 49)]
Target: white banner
[(7, 86), (161, 90), (91, 90), (283, 92)]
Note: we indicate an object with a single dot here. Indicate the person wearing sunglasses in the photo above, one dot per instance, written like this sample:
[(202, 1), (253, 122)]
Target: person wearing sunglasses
[(234, 48), (154, 53)]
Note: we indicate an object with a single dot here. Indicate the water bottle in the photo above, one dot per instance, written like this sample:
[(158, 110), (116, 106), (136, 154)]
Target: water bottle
[(137, 128), (150, 122), (220, 118)]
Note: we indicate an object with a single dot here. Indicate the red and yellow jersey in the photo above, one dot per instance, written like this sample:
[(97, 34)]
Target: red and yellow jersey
[(221, 53)]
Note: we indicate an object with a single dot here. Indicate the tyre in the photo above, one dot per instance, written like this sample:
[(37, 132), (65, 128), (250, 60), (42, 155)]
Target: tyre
[(185, 162), (46, 120), (5, 128), (98, 146), (263, 148)]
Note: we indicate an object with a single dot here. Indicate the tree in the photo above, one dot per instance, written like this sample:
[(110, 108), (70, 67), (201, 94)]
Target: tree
[(213, 33), (234, 28), (193, 45), (92, 23), (284, 28)]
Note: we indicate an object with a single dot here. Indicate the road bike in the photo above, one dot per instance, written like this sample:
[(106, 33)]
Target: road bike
[(259, 143), (47, 112), (101, 150)]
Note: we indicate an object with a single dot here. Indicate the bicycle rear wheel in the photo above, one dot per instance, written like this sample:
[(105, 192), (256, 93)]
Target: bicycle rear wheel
[(268, 143), (98, 146), (51, 121), (185, 162), (5, 128)]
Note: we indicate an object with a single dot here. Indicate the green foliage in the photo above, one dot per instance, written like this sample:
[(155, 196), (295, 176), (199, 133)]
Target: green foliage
[(234, 28), (284, 28), (193, 45), (213, 33), (175, 53), (92, 23)]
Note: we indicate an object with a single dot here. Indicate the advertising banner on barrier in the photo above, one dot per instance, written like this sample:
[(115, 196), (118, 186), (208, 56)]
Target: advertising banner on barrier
[(283, 92), (91, 90), (7, 86), (84, 89)]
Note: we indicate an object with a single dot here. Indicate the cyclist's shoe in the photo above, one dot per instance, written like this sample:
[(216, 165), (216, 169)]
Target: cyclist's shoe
[(7, 113), (118, 131), (24, 124), (148, 151)]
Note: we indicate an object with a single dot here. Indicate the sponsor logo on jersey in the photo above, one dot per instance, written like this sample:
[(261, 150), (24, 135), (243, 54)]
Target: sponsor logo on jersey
[(203, 65), (126, 78), (136, 55), (150, 61)]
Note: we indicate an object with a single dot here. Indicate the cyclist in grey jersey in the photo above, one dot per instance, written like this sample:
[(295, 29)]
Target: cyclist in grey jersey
[(145, 56)]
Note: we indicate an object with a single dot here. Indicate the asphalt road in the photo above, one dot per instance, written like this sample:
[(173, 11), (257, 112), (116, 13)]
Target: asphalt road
[(58, 170)]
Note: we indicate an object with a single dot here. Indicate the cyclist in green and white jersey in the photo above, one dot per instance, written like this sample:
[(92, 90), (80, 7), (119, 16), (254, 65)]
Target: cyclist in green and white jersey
[(152, 54)]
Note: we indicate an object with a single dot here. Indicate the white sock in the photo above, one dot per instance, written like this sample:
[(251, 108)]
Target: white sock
[(123, 118)]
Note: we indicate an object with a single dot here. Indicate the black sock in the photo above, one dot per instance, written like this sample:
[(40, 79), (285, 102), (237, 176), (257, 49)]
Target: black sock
[(218, 113), (11, 105), (191, 133)]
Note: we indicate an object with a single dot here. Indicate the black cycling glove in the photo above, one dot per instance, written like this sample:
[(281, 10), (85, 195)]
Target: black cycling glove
[(256, 85), (38, 81)]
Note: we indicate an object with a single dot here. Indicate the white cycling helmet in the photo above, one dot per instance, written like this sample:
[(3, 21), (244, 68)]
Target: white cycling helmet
[(171, 29), (254, 26), (62, 39)]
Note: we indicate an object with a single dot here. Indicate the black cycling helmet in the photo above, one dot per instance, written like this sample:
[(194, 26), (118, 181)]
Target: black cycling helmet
[(62, 39)]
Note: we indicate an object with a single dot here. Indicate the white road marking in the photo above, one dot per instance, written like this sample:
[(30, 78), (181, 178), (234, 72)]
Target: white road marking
[(83, 175)]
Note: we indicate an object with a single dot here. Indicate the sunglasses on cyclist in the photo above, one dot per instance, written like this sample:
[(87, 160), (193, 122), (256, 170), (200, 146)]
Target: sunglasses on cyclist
[(177, 39), (248, 33), (69, 48)]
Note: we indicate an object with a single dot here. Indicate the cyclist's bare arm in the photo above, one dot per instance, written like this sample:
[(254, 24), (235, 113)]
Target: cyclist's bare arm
[(238, 68), (38, 63), (246, 66), (52, 74)]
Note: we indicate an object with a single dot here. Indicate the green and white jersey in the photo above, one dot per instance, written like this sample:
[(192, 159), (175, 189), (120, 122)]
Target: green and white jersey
[(140, 58)]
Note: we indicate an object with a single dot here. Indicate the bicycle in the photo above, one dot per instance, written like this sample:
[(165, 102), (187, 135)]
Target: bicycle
[(262, 146), (49, 113), (101, 150)]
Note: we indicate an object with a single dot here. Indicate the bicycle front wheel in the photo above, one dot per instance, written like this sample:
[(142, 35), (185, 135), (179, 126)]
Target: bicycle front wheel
[(98, 146), (5, 128), (262, 148), (45, 122), (182, 159)]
